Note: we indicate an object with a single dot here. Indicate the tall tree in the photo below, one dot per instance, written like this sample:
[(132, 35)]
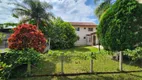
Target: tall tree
[(33, 10), (62, 34), (102, 7), (120, 26)]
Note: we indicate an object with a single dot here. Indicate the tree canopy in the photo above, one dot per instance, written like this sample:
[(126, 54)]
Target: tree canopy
[(33, 10), (62, 34), (27, 36), (102, 7), (120, 26)]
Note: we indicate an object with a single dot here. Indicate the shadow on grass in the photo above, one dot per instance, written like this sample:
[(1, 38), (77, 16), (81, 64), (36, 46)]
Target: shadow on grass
[(128, 61), (90, 77), (44, 67), (99, 77), (79, 49), (136, 75)]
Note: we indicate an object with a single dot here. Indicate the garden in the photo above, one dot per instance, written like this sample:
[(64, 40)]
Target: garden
[(76, 60), (28, 56)]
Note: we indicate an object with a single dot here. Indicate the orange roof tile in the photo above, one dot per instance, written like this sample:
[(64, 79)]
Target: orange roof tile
[(83, 23)]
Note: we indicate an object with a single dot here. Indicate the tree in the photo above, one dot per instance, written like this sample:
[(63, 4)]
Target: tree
[(2, 36), (27, 36), (102, 7), (33, 10), (4, 25), (120, 26), (62, 34)]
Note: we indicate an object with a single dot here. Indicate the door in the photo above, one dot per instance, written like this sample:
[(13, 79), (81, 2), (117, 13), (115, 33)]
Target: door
[(94, 40)]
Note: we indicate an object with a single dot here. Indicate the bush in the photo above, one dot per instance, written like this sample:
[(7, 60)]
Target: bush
[(27, 36), (134, 55), (2, 36), (3, 72), (120, 26), (17, 62), (62, 35)]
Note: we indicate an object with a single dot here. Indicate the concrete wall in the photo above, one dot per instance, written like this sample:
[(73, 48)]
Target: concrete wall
[(82, 33)]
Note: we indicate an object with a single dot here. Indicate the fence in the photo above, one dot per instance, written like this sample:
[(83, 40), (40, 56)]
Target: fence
[(91, 63), (63, 58), (90, 66)]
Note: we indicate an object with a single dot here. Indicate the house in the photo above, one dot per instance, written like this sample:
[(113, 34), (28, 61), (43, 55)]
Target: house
[(86, 32), (7, 33)]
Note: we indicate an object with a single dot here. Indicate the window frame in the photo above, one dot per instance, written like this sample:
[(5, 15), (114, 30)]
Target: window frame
[(77, 28), (90, 29)]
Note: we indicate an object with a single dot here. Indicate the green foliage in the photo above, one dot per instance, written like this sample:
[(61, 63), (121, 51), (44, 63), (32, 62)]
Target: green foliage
[(120, 26), (62, 34), (2, 36), (73, 55), (102, 7), (134, 55), (4, 25), (17, 61), (3, 67), (33, 10)]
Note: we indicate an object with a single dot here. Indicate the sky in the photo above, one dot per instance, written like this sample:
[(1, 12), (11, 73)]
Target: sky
[(68, 10)]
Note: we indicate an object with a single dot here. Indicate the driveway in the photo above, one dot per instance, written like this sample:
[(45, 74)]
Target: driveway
[(97, 46)]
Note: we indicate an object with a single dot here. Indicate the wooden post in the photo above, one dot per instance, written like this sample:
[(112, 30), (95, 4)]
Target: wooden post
[(91, 63), (120, 60), (29, 68), (62, 64), (99, 46)]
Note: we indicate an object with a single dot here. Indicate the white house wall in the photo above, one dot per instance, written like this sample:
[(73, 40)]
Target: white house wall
[(82, 33)]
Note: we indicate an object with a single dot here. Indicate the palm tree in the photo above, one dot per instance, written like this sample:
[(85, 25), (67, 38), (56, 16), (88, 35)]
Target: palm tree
[(102, 7), (33, 10)]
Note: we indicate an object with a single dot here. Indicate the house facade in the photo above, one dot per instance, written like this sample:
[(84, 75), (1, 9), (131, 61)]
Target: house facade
[(86, 32)]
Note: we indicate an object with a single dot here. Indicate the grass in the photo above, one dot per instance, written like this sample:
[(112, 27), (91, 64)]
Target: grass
[(103, 62)]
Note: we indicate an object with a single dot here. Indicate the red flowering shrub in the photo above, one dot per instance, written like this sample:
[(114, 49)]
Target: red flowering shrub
[(27, 36)]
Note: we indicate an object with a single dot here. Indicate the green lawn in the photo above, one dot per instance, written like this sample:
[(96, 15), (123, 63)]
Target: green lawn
[(103, 62)]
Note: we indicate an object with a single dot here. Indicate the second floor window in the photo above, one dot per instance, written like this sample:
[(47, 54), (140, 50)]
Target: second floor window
[(90, 29), (77, 29)]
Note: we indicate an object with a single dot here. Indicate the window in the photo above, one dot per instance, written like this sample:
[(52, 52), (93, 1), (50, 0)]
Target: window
[(77, 29), (84, 37), (90, 29), (90, 39)]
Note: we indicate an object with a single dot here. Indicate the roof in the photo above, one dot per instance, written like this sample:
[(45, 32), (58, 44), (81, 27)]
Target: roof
[(83, 23), (91, 34)]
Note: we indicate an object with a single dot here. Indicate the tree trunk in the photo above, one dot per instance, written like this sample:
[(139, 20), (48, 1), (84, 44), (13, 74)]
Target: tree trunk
[(120, 60), (91, 66), (99, 46), (37, 23), (62, 63)]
